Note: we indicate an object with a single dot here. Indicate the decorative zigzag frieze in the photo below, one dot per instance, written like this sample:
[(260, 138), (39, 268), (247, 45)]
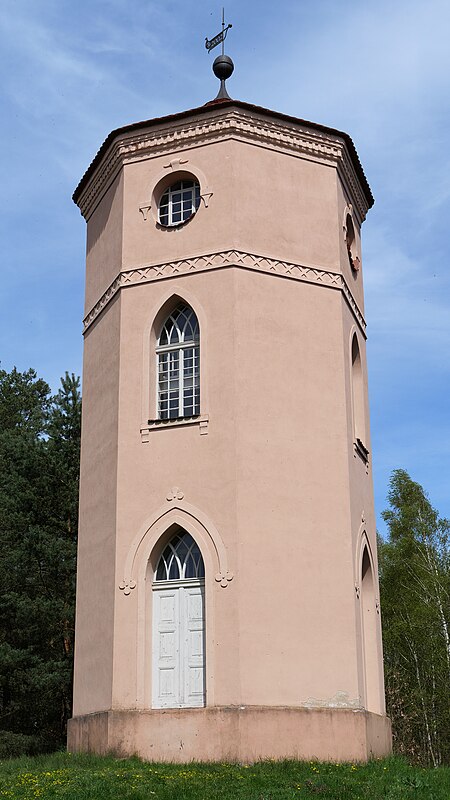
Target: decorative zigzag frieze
[(224, 259), (104, 300), (238, 124)]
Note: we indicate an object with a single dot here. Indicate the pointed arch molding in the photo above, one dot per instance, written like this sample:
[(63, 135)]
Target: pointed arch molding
[(362, 543), (191, 519), (223, 260), (175, 293)]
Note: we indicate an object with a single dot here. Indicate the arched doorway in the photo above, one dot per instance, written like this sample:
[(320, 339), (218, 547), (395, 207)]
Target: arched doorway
[(179, 625), (369, 620)]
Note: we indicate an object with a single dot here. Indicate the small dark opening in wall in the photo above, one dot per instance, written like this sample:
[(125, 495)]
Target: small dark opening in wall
[(350, 239)]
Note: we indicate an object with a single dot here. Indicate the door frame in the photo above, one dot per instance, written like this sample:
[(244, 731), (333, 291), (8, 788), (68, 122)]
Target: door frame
[(178, 586)]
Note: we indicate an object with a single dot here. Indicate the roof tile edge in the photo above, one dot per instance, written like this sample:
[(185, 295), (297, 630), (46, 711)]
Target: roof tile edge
[(315, 138)]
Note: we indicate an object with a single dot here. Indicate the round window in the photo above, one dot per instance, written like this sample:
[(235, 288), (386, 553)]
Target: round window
[(179, 202)]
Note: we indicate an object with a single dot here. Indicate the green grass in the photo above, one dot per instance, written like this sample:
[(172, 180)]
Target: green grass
[(80, 777)]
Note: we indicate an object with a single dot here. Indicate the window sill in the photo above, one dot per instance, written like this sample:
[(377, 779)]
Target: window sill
[(202, 420)]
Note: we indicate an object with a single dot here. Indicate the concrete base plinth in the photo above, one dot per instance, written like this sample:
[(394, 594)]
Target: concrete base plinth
[(236, 734)]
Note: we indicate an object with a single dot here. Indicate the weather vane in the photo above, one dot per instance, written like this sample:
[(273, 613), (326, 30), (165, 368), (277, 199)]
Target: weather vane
[(210, 44), (223, 66)]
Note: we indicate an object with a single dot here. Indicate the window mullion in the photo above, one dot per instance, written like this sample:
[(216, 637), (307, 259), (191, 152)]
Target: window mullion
[(196, 377), (181, 384), (158, 387), (167, 348)]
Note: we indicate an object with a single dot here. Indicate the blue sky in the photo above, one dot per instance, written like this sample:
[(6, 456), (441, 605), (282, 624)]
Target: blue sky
[(378, 69)]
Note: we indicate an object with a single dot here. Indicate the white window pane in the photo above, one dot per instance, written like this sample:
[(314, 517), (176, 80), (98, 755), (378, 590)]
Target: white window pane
[(178, 369), (179, 202)]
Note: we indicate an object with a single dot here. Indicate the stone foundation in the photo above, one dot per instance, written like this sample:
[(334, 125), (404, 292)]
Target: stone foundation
[(235, 734)]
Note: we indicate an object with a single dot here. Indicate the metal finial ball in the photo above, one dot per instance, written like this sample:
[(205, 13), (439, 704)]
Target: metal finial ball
[(223, 67)]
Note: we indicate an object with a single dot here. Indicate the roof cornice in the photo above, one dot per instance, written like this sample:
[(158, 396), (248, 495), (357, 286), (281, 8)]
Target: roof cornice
[(218, 121)]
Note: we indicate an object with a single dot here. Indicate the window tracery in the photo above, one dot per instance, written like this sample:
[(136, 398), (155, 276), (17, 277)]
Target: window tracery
[(178, 357), (181, 559)]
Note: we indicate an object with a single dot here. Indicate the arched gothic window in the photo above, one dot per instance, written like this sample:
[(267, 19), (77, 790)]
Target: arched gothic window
[(178, 354), (180, 560), (358, 392)]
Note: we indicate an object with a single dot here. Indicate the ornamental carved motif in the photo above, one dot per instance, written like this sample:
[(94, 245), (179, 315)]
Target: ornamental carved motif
[(224, 578), (174, 494), (127, 586)]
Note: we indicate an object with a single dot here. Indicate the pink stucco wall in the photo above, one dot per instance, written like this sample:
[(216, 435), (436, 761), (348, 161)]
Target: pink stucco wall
[(269, 482)]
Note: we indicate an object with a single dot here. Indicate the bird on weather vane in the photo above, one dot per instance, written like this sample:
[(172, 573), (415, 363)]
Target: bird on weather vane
[(223, 66)]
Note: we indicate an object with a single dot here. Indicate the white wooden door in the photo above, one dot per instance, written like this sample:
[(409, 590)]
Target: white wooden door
[(166, 656), (179, 646), (194, 655)]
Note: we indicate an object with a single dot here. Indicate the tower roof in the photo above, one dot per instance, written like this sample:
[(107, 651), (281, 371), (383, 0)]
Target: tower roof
[(223, 104)]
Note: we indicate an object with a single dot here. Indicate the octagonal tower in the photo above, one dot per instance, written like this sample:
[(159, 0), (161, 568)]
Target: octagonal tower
[(227, 598)]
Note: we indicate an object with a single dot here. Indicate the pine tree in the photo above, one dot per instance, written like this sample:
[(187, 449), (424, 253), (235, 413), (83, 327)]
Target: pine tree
[(39, 462)]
